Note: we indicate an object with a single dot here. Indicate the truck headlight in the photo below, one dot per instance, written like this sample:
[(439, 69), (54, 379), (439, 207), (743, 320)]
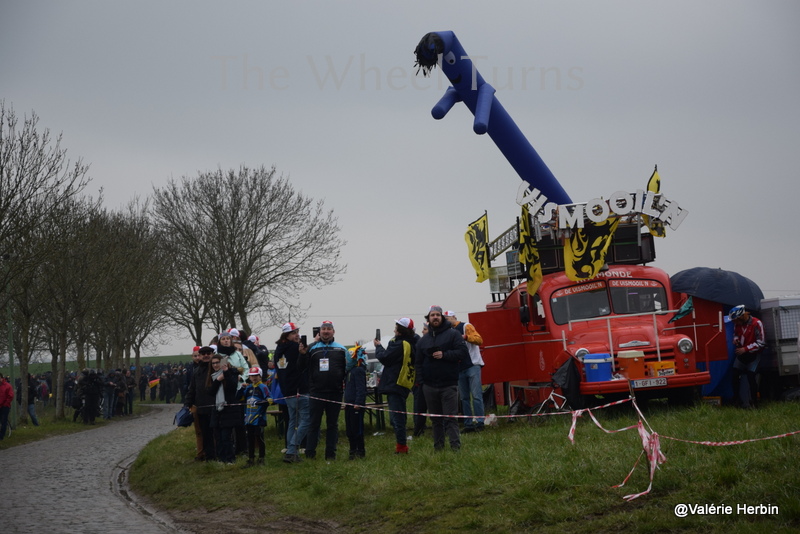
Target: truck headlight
[(581, 352), (685, 345)]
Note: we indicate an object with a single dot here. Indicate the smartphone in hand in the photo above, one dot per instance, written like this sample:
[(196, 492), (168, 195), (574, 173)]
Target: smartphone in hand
[(315, 331), (304, 340), (378, 334)]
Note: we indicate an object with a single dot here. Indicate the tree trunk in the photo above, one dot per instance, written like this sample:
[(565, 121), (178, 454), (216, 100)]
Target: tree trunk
[(245, 322), (136, 359), (198, 333), (62, 367), (24, 357), (81, 357)]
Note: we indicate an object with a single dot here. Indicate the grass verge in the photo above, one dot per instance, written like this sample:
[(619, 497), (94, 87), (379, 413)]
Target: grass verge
[(521, 476)]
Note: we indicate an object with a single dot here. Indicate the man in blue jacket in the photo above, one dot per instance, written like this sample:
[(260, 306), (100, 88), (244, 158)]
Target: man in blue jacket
[(438, 355), (327, 363)]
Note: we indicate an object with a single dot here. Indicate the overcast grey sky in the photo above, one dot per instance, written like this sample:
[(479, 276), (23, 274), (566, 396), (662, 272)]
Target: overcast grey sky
[(326, 92)]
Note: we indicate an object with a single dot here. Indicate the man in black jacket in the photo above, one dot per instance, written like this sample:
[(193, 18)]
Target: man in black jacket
[(438, 355), (327, 361)]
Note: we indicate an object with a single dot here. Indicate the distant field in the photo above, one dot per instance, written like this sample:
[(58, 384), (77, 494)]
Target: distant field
[(39, 368)]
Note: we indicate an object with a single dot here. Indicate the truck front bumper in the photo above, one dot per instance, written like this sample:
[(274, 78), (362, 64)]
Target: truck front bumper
[(664, 382)]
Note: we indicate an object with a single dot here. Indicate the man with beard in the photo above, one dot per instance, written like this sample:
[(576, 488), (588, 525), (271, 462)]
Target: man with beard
[(439, 352)]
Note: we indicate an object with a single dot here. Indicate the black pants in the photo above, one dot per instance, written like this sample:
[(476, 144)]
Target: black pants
[(209, 445), (330, 406), (255, 436), (420, 406), (354, 424)]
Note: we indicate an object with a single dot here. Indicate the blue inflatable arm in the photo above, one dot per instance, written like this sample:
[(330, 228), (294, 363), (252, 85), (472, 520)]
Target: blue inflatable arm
[(468, 86)]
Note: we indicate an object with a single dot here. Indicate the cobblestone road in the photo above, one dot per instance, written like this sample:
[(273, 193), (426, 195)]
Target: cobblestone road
[(66, 484)]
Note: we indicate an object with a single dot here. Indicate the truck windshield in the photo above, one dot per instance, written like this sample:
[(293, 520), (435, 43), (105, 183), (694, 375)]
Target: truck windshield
[(590, 300), (580, 302), (637, 296)]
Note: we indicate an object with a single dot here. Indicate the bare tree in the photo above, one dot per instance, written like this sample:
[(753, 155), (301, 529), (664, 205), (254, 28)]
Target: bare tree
[(136, 282), (251, 242), (73, 276), (36, 179)]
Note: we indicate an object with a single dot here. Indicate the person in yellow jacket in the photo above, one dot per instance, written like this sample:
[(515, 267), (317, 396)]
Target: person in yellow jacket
[(469, 375)]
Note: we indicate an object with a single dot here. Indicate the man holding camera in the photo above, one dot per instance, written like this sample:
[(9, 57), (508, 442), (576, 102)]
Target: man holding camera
[(439, 353)]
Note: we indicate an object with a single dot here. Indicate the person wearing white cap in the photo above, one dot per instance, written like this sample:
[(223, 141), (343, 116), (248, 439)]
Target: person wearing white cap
[(438, 355), (291, 363), (256, 396), (398, 376), (469, 374)]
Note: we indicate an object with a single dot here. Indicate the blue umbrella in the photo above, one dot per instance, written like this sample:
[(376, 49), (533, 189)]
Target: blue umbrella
[(718, 285)]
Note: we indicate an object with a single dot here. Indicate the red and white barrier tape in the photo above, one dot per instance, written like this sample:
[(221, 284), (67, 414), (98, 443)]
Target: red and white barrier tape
[(728, 443)]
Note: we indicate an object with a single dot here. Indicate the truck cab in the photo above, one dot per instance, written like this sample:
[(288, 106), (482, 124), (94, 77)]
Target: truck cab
[(614, 329)]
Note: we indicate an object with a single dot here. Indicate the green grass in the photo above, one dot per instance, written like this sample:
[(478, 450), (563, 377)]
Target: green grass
[(522, 476)]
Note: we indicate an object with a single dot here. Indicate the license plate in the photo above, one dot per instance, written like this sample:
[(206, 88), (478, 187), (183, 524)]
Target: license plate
[(650, 382)]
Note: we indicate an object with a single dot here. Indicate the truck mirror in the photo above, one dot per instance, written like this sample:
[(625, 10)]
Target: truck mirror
[(524, 314)]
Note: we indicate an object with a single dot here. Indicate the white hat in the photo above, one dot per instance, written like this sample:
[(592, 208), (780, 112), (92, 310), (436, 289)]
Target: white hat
[(289, 327), (405, 322), (449, 313)]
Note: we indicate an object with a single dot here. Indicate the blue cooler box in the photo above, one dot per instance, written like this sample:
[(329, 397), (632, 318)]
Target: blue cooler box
[(597, 367)]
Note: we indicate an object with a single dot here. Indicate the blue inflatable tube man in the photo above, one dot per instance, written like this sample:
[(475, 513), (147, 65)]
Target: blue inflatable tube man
[(468, 86)]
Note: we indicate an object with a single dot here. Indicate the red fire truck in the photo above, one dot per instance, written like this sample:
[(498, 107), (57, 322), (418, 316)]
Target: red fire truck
[(612, 332)]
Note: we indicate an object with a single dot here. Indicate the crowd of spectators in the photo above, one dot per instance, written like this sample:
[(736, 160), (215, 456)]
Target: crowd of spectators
[(230, 383), (110, 393)]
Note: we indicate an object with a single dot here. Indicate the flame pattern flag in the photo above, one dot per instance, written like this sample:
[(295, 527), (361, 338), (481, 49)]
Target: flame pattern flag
[(585, 251), (528, 253), (477, 238)]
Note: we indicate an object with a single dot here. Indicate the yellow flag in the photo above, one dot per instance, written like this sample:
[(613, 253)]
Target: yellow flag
[(657, 228), (585, 251), (654, 183), (477, 238), (528, 253)]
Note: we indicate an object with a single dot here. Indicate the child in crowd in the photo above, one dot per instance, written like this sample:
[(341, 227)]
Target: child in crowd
[(271, 381), (256, 396), (355, 398)]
